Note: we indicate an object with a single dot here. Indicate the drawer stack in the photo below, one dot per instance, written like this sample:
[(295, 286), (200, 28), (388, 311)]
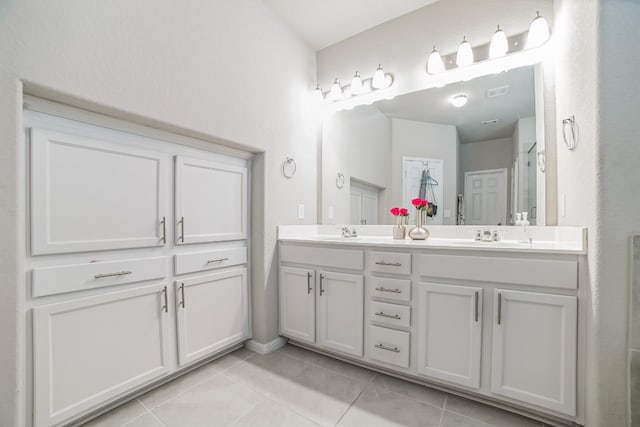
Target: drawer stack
[(389, 311)]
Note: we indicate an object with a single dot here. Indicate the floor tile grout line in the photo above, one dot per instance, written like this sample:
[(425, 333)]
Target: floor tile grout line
[(442, 412), (149, 411), (199, 383), (351, 405), (480, 421)]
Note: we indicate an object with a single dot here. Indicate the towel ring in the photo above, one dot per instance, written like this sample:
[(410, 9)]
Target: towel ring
[(340, 180), (541, 156), (288, 167), (571, 121)]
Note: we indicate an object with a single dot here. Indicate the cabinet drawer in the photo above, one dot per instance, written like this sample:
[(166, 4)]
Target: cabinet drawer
[(91, 275), (321, 256), (394, 289), (561, 272), (388, 345), (390, 314), (209, 260), (389, 262)]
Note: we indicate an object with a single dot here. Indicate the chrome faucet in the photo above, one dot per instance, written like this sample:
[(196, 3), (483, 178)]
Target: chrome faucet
[(349, 233), (495, 237)]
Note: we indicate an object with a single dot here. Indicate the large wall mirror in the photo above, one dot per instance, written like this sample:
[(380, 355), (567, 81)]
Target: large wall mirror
[(480, 163)]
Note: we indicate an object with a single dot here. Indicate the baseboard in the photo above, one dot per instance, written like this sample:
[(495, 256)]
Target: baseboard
[(265, 348)]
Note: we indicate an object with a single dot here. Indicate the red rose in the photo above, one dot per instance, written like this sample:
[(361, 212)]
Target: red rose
[(404, 212), (424, 203), (395, 211), (416, 202)]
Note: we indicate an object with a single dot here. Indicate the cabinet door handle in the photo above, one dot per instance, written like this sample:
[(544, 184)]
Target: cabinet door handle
[(389, 316), (321, 290), (165, 307), (117, 273), (164, 229), (384, 347), (182, 295), (395, 291), (181, 222), (476, 304), (309, 283), (499, 309), (392, 264), (211, 261)]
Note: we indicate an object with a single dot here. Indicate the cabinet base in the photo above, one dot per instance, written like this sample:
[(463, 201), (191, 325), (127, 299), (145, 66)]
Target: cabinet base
[(266, 348)]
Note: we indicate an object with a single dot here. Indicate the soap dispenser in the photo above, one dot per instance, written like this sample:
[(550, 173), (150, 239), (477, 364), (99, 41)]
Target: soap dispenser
[(525, 231)]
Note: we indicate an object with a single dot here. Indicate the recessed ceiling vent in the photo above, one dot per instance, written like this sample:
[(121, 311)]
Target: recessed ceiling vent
[(489, 122), (497, 91)]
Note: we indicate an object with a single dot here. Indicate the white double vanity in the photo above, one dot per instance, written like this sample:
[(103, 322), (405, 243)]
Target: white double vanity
[(499, 321)]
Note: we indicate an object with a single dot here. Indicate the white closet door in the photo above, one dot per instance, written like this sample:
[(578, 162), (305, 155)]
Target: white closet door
[(212, 313), (211, 201), (91, 195), (89, 350)]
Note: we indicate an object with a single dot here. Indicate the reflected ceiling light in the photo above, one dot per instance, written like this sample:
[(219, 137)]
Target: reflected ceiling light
[(499, 44), (459, 100), (336, 90), (379, 80), (435, 64), (465, 54), (317, 93), (356, 84), (538, 32)]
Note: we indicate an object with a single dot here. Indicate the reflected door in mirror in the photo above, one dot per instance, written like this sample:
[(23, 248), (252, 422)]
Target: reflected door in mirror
[(485, 194)]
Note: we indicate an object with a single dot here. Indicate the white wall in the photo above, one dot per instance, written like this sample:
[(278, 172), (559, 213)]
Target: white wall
[(428, 140), (355, 143), (222, 71)]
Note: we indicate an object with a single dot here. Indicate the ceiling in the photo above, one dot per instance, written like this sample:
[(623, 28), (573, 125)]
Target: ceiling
[(321, 23), (434, 106)]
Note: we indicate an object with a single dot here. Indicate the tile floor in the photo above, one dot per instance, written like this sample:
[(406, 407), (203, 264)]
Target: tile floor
[(293, 387)]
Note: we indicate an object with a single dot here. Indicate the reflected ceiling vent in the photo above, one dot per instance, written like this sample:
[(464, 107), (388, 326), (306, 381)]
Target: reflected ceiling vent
[(497, 91), (489, 122)]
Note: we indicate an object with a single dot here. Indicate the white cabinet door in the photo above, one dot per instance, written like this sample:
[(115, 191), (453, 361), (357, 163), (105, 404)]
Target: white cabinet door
[(534, 349), (450, 333), (297, 303), (211, 201), (212, 313), (340, 301), (90, 195), (89, 350)]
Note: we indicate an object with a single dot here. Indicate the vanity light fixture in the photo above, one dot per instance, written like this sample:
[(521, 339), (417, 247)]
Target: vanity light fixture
[(379, 79), (356, 84), (459, 100), (538, 32), (317, 93), (465, 53), (336, 91), (499, 45), (435, 64)]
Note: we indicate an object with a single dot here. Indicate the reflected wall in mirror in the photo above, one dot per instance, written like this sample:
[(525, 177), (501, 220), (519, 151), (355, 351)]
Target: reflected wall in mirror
[(419, 144)]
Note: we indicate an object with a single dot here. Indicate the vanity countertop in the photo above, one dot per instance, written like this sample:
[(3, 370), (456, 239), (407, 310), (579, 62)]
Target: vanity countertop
[(553, 240)]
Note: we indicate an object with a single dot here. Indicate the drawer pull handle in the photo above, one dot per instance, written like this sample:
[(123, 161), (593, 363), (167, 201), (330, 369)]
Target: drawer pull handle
[(165, 307), (476, 305), (322, 291), (164, 229), (181, 222), (308, 283), (384, 347), (392, 264), (499, 309), (117, 273), (182, 294), (395, 291), (390, 316), (211, 261)]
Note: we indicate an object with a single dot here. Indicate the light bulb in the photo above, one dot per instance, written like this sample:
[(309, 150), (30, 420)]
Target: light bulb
[(499, 44), (435, 64), (379, 80), (317, 93), (459, 100), (336, 90), (465, 54), (356, 84), (538, 32)]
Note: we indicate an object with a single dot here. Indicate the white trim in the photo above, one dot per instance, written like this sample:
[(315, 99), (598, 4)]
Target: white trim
[(265, 348)]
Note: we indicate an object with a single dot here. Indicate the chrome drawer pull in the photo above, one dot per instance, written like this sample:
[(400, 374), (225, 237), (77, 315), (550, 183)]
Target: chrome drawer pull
[(384, 347), (118, 273), (390, 316), (393, 264), (164, 229), (181, 222), (395, 291), (211, 261), (165, 307)]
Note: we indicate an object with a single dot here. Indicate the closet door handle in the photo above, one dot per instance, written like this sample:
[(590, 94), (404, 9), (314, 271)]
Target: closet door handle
[(308, 283), (181, 222), (499, 309), (182, 295), (165, 307), (164, 229), (321, 290), (476, 304)]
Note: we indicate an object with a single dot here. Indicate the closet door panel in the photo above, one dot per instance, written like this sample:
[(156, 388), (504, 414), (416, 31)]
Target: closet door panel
[(89, 195), (211, 201)]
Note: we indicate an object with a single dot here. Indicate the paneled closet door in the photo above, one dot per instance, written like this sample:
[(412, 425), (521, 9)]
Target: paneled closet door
[(211, 201), (89, 350), (212, 313), (91, 195)]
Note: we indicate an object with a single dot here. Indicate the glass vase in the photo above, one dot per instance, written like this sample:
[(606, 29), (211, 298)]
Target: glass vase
[(399, 230), (420, 232)]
